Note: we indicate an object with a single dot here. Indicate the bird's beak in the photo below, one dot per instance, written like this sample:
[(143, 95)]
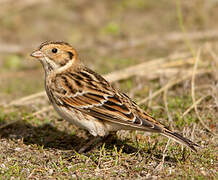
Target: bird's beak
[(37, 54)]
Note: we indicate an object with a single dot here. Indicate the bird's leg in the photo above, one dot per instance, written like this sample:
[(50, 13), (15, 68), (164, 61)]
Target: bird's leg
[(96, 141), (90, 143), (104, 139)]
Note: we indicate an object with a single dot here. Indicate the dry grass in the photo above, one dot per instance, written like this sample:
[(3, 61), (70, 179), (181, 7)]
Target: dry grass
[(146, 54)]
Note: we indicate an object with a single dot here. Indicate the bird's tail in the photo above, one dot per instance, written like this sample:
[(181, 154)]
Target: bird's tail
[(180, 139)]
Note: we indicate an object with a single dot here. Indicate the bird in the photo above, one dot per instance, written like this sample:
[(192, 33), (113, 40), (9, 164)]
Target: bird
[(87, 100)]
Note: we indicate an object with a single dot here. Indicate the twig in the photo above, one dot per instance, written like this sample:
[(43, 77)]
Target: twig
[(193, 91), (11, 48), (194, 104), (26, 98), (152, 65), (192, 133), (166, 107), (172, 83), (215, 67), (160, 165), (172, 37), (43, 110), (150, 98), (10, 123)]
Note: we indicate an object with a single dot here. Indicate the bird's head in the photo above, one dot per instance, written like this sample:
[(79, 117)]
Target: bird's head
[(55, 55)]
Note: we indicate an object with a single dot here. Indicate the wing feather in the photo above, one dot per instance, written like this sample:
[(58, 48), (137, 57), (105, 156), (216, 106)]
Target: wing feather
[(94, 96)]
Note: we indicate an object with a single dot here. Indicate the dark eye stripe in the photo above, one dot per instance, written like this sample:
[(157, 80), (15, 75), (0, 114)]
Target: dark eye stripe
[(70, 54)]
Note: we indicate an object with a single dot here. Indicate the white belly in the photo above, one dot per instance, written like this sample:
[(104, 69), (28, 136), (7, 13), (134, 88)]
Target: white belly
[(93, 125)]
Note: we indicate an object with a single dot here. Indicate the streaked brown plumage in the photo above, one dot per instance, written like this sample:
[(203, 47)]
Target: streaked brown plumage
[(87, 100)]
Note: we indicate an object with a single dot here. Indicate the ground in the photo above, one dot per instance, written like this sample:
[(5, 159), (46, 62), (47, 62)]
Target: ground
[(174, 43)]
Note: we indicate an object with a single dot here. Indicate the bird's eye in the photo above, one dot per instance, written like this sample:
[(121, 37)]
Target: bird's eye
[(54, 50)]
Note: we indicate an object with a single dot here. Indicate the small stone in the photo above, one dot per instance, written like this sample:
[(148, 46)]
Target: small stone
[(203, 171), (3, 166), (69, 167), (18, 149), (170, 171), (50, 171), (74, 176)]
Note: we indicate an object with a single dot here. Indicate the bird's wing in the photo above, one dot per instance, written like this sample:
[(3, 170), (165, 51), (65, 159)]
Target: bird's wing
[(91, 94)]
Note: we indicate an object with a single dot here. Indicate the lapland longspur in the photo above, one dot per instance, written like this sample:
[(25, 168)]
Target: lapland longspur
[(87, 100)]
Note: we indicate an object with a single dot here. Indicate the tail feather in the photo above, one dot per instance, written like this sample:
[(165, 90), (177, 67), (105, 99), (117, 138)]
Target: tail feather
[(180, 139)]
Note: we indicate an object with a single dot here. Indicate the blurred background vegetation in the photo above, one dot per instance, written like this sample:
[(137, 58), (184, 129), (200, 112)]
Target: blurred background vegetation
[(110, 36), (104, 32)]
